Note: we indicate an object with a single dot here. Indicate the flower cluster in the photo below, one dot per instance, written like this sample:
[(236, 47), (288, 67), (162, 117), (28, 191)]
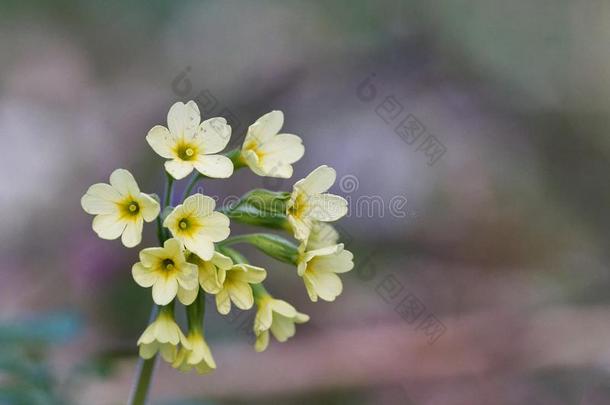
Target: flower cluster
[(195, 259)]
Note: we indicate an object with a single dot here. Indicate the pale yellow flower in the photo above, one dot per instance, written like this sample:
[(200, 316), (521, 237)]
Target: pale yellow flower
[(266, 151), (166, 270), (319, 269), (236, 287), (197, 355), (163, 335), (197, 225), (275, 316), (192, 144), (212, 273), (120, 208), (309, 202)]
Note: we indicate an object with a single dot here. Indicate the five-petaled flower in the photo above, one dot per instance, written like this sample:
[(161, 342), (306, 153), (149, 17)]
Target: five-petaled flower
[(162, 335), (319, 270), (120, 208), (166, 270), (192, 144), (309, 202), (266, 151), (276, 316), (236, 287), (197, 225)]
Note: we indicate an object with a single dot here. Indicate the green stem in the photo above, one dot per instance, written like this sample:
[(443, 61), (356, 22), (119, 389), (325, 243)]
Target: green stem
[(146, 368), (272, 245), (167, 197), (144, 372), (194, 180)]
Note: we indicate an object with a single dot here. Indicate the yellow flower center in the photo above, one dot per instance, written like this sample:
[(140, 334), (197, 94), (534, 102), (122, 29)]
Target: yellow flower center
[(186, 151), (168, 264), (129, 208), (183, 224)]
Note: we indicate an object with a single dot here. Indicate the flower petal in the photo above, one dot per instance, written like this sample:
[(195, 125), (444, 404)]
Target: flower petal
[(144, 276), (108, 226), (179, 169), (123, 181), (161, 141), (214, 135), (318, 181), (199, 205), (262, 341), (100, 198), (241, 295), (287, 148), (215, 226), (183, 118), (326, 285), (201, 245), (132, 235), (282, 328), (265, 127), (327, 207), (187, 297), (223, 302), (150, 207), (283, 308), (164, 290), (215, 166)]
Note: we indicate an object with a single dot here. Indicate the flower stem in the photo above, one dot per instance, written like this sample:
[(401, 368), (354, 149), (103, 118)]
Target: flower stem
[(144, 372), (194, 180), (146, 368)]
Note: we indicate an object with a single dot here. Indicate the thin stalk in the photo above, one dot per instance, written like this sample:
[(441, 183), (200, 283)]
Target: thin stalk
[(146, 368), (144, 372), (194, 180)]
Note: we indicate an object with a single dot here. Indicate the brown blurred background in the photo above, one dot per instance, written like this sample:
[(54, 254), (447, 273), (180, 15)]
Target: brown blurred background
[(469, 136)]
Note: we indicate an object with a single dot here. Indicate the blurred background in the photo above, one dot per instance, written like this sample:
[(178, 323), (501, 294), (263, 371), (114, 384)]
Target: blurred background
[(470, 138)]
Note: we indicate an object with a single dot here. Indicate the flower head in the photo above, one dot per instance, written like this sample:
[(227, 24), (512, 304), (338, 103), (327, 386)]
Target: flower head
[(269, 153), (120, 208), (191, 143), (213, 272), (196, 355), (236, 287), (197, 225), (275, 316), (163, 335), (166, 270), (319, 270), (309, 202)]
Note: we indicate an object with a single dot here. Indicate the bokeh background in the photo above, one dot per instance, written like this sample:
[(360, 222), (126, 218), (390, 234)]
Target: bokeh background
[(481, 272)]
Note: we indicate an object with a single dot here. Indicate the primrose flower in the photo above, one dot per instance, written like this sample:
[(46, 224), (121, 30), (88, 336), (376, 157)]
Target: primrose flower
[(196, 355), (191, 143), (197, 225), (309, 202), (120, 208), (166, 270), (319, 269), (276, 316), (212, 273), (236, 287), (163, 335), (269, 153)]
